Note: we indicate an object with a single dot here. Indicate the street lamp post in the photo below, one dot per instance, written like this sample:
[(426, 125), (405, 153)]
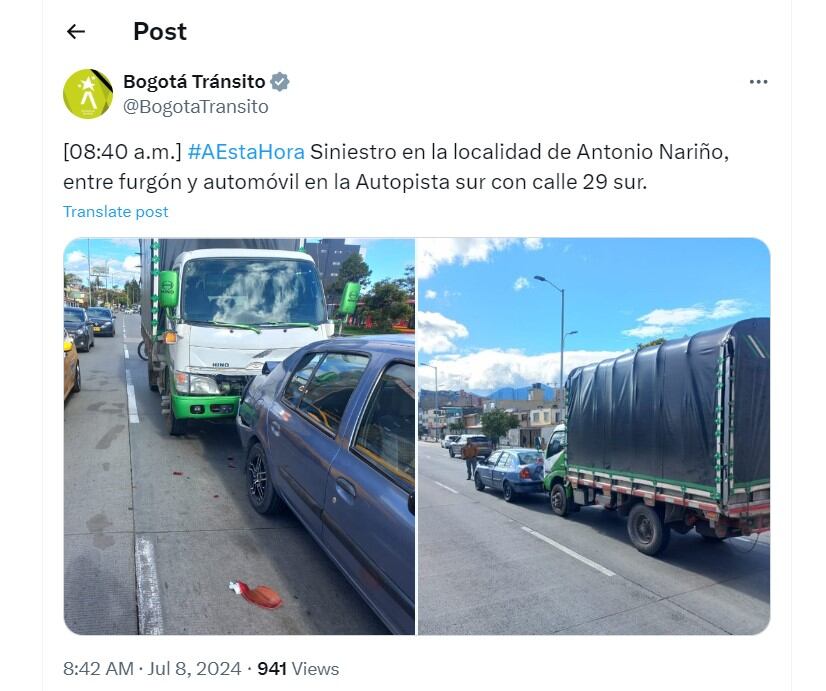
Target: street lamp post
[(562, 333)]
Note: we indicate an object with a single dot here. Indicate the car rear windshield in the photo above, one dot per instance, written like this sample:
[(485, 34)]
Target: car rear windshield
[(529, 457), (481, 440)]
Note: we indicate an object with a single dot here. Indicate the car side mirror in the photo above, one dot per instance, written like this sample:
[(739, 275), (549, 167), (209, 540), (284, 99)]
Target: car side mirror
[(269, 366)]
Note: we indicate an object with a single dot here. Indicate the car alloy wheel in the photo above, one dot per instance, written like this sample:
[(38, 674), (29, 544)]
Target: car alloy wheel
[(257, 477)]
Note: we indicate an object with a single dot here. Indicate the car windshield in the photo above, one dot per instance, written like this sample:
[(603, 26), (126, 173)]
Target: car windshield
[(528, 457), (478, 440), (73, 315), (99, 312), (255, 291)]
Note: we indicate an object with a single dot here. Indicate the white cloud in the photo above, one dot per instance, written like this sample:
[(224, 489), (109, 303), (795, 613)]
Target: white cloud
[(430, 294), (532, 244), (520, 284), (486, 370), (431, 252), (667, 322), (131, 263), (435, 332)]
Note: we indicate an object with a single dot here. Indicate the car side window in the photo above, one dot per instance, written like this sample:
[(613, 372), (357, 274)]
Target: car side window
[(385, 435), (504, 461), (298, 383), (330, 387), (495, 457)]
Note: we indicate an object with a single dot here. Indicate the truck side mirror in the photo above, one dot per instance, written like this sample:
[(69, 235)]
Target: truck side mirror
[(268, 367), (168, 289)]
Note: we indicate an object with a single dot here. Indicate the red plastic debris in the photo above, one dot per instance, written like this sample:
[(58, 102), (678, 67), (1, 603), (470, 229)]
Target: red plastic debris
[(177, 472), (262, 595)]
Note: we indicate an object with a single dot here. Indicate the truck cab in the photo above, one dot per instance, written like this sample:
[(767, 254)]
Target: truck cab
[(223, 313)]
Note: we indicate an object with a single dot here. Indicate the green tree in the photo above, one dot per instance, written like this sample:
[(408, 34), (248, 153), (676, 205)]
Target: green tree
[(408, 283), (457, 427), (655, 342), (353, 270), (387, 303), (496, 423), (69, 279)]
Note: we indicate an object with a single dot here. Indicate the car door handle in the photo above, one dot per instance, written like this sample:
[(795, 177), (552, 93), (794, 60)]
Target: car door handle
[(346, 486)]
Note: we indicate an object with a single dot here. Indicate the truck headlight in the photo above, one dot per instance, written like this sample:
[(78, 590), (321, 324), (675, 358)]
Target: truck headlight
[(201, 385), (196, 384)]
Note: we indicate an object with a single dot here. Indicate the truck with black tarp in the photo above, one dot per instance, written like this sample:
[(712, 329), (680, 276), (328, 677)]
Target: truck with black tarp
[(214, 311), (673, 436)]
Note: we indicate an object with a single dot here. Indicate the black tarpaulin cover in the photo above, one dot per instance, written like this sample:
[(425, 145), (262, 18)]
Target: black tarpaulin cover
[(652, 412), (171, 248)]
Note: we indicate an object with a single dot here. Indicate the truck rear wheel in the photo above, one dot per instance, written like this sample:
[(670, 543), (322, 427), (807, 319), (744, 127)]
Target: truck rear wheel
[(559, 500), (647, 531), (152, 376)]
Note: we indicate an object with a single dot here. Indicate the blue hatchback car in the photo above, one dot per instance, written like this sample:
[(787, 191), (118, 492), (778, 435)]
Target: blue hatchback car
[(513, 471), (330, 433)]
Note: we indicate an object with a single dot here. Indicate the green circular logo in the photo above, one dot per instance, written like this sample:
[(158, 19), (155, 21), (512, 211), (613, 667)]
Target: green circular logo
[(87, 94)]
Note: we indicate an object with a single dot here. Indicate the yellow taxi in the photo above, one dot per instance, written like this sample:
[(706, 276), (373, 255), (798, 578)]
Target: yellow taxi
[(71, 366)]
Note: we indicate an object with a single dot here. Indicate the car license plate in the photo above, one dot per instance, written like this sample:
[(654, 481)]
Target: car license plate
[(96, 329)]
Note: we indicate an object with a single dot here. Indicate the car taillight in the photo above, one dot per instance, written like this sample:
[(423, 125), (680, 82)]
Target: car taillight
[(525, 474)]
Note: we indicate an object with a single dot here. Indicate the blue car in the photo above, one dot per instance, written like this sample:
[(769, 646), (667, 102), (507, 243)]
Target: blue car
[(512, 471), (329, 432)]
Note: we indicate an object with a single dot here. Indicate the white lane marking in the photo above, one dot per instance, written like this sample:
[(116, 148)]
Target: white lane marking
[(449, 489), (150, 617), (125, 351), (569, 552), (130, 399)]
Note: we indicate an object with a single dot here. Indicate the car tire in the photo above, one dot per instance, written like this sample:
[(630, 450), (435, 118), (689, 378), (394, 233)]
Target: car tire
[(478, 482), (76, 387), (559, 500), (260, 489), (507, 492), (647, 531)]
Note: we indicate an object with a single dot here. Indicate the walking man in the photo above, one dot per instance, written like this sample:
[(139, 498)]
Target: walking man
[(469, 452)]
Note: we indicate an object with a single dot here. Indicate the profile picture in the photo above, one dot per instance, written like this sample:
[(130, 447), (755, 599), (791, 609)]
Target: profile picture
[(87, 93)]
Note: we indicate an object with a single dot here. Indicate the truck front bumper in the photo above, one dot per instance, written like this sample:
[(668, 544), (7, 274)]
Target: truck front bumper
[(204, 407)]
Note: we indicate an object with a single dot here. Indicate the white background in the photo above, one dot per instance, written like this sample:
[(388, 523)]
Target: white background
[(599, 72)]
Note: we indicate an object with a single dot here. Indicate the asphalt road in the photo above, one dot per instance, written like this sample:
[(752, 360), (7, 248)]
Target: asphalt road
[(489, 567), (156, 527)]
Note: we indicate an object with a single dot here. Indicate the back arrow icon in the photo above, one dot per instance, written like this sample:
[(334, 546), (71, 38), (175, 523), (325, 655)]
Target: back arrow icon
[(72, 30)]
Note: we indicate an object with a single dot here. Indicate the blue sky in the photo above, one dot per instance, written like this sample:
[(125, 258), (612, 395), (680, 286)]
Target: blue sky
[(485, 322), (387, 258)]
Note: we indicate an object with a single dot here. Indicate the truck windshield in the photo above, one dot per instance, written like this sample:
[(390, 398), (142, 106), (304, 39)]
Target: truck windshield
[(257, 291)]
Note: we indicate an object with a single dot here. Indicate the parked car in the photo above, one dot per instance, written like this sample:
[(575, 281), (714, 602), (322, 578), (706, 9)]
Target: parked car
[(448, 440), (77, 323), (513, 471), (103, 321), (71, 366), (330, 433), (483, 445)]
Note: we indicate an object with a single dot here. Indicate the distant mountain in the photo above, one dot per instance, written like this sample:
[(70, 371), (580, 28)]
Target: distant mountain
[(519, 393), (427, 398)]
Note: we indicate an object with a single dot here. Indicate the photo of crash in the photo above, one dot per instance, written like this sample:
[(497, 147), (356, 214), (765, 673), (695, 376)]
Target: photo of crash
[(594, 444), (239, 452)]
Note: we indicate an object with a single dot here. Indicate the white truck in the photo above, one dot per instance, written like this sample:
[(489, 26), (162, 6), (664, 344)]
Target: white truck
[(214, 311)]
